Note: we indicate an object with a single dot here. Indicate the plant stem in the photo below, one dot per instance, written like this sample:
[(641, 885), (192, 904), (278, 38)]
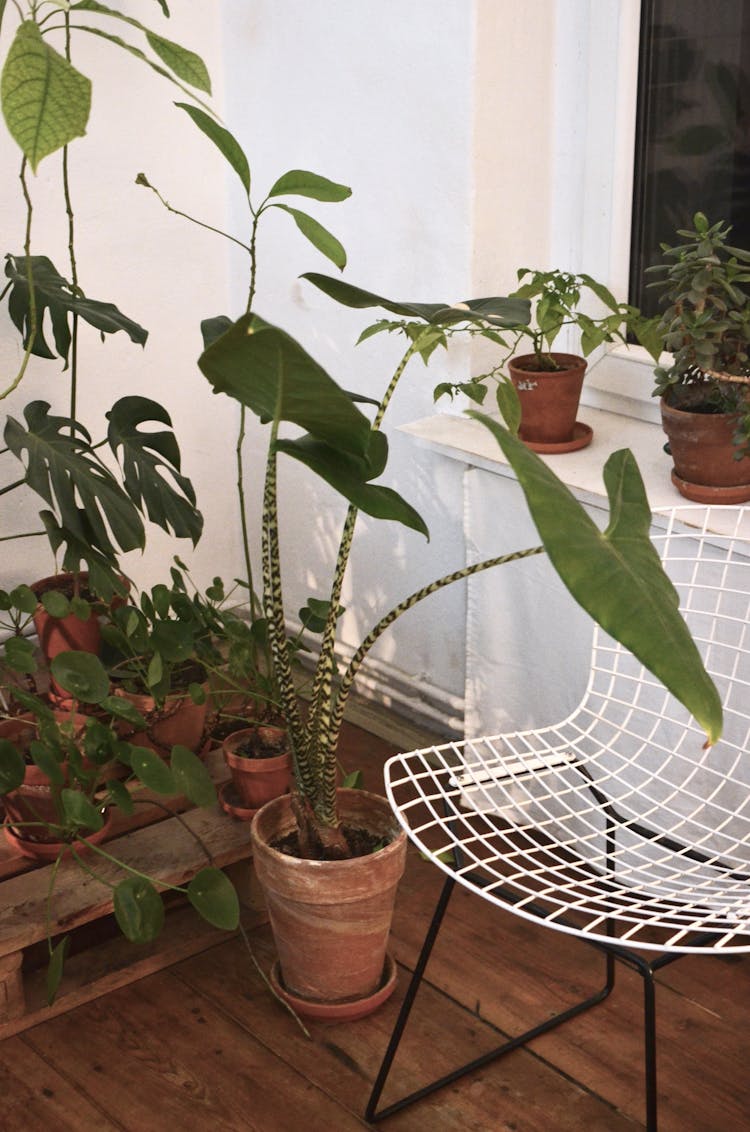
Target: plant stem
[(30, 283), (407, 604), (72, 258)]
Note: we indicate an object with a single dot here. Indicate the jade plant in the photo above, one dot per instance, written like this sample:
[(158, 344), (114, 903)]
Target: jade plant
[(91, 771), (615, 575), (705, 289), (91, 513)]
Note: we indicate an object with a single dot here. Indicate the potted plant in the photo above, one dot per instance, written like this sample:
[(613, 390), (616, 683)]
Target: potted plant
[(260, 763), (548, 382), (89, 771), (705, 399), (326, 854)]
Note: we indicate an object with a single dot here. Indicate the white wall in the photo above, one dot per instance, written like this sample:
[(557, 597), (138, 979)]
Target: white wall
[(451, 123)]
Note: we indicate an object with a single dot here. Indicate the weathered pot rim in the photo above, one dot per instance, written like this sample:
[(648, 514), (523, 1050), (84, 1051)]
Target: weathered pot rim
[(668, 408), (300, 864), (567, 361), (237, 737)]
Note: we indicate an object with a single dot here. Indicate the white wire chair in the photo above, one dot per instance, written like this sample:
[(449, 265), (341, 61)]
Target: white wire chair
[(617, 825)]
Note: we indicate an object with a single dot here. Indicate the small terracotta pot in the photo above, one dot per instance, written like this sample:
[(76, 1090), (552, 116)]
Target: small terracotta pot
[(331, 919), (258, 780), (180, 720), (702, 448), (549, 399), (50, 850)]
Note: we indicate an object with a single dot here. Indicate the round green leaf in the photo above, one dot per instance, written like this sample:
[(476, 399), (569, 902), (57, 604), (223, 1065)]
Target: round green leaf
[(55, 603), (77, 808), (213, 896), (81, 608), (120, 797), (12, 766), (139, 910), (121, 708), (19, 654), (152, 771), (24, 599), (82, 674), (191, 777), (47, 762)]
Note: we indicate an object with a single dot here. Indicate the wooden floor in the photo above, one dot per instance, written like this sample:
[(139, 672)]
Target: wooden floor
[(203, 1047)]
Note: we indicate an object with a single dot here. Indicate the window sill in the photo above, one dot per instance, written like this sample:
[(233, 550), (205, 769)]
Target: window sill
[(468, 441)]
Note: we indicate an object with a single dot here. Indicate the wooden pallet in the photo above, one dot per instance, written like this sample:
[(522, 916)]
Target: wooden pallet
[(157, 843)]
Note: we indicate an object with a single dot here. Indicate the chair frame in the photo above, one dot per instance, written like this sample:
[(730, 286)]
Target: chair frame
[(533, 762)]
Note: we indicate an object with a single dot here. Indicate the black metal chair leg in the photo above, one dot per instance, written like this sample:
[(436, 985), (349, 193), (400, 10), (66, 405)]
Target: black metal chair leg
[(649, 1019), (371, 1113)]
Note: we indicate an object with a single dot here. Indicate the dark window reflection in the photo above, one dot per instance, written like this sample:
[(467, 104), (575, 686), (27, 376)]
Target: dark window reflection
[(693, 131)]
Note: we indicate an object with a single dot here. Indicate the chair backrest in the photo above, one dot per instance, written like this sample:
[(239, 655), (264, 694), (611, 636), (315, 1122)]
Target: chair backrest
[(645, 750)]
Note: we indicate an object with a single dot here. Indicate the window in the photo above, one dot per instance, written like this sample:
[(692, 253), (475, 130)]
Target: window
[(692, 127)]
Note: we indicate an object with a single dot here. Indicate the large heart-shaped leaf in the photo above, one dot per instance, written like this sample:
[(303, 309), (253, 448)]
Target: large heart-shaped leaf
[(265, 369), (45, 100), (55, 298), (145, 458), (616, 574), (63, 469)]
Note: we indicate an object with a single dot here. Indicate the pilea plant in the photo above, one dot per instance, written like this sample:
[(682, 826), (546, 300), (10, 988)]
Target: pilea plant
[(91, 770)]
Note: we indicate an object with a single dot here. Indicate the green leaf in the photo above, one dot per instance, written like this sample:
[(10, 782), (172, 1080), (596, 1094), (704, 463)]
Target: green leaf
[(225, 142), (345, 473), (191, 777), (63, 468), (45, 100), (19, 655), (616, 575), (152, 771), (82, 674), (80, 608), (151, 467), (354, 781), (12, 767), (184, 63), (120, 796), (138, 909), (121, 708), (509, 404), (212, 894), (268, 371), (47, 761), (55, 968), (318, 236), (495, 311), (56, 603), (56, 299), (302, 183), (78, 809), (24, 599)]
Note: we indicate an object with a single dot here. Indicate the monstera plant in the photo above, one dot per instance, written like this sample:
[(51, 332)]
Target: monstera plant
[(90, 511)]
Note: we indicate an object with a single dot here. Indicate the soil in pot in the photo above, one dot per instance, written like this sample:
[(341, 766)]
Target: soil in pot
[(260, 763), (43, 846)]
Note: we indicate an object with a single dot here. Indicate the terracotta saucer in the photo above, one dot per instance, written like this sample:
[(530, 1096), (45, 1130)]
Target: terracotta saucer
[(582, 436), (347, 1010), (703, 493), (231, 803)]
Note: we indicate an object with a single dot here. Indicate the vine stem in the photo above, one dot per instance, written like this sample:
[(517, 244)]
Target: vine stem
[(71, 257), (30, 284)]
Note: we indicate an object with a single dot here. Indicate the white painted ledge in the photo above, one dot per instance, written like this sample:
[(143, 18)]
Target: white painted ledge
[(468, 441)]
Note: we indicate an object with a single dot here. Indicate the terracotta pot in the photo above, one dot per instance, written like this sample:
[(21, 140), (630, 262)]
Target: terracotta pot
[(34, 800), (702, 449), (330, 919), (50, 850), (258, 780), (549, 399), (179, 720)]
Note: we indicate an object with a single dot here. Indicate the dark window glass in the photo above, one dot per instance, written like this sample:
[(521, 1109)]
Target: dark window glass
[(693, 126)]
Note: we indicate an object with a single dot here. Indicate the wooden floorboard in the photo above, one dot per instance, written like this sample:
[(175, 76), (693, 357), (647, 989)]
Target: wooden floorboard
[(205, 1046)]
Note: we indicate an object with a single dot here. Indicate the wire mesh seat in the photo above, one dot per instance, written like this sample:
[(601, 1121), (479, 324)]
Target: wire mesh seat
[(617, 825)]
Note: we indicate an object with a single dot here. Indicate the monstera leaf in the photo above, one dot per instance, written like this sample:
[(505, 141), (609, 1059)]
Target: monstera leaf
[(149, 461), (55, 298), (62, 467)]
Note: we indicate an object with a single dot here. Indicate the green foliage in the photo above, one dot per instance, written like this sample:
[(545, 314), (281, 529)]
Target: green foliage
[(138, 909), (213, 895), (82, 674), (56, 297)]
